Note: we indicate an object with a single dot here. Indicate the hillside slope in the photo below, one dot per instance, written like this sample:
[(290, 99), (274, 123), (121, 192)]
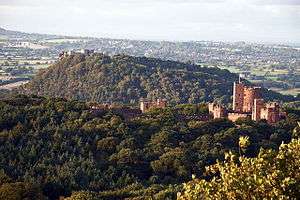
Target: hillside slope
[(15, 35), (126, 79)]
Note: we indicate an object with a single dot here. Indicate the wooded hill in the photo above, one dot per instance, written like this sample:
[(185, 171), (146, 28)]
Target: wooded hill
[(125, 79), (53, 147)]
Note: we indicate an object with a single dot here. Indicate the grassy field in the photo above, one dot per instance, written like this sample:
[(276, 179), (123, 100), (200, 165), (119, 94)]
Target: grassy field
[(42, 66), (293, 92), (232, 69), (63, 40), (36, 64), (13, 85), (271, 75)]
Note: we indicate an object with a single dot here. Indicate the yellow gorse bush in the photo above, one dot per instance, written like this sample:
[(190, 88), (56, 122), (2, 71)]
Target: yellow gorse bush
[(271, 175), (244, 142)]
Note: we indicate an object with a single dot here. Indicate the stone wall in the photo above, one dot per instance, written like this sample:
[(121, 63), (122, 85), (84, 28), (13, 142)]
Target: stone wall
[(238, 97), (235, 116), (257, 107), (270, 113), (250, 94), (147, 105), (217, 111)]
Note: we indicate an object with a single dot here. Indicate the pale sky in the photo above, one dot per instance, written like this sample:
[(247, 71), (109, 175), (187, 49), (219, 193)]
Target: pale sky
[(184, 20)]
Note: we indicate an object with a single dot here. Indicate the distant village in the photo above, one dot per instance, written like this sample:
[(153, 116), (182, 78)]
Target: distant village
[(271, 66)]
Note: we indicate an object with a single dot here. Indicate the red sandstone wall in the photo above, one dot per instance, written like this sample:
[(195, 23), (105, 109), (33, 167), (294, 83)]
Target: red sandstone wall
[(147, 105), (249, 95), (238, 97), (217, 111), (256, 111), (235, 116), (271, 113)]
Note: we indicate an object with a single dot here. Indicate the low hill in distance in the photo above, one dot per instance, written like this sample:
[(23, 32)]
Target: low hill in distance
[(18, 35), (125, 79), (272, 66)]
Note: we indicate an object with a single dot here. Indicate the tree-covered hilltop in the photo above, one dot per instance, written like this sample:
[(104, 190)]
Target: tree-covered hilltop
[(52, 147), (126, 79)]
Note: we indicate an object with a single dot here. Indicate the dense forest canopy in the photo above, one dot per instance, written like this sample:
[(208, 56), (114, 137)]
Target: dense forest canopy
[(51, 147), (126, 79), (271, 175)]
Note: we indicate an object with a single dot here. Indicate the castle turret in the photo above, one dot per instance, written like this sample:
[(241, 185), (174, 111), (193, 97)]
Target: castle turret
[(271, 112), (243, 97), (238, 97), (217, 111), (144, 105), (256, 111)]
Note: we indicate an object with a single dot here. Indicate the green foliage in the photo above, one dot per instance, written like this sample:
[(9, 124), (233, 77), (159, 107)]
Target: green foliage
[(131, 192), (59, 147), (126, 79), (270, 175), (10, 190), (20, 191)]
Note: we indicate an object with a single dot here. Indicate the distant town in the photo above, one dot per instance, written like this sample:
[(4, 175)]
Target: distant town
[(276, 67)]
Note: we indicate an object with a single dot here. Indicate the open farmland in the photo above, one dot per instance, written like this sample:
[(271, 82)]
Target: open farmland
[(276, 67)]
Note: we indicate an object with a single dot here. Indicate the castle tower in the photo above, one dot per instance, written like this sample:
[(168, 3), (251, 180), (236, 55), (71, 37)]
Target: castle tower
[(238, 97), (217, 111), (271, 113), (250, 94), (256, 111), (211, 108), (144, 105), (161, 103)]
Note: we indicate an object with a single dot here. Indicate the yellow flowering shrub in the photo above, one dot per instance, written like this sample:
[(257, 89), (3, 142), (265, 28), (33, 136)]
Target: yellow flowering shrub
[(271, 175)]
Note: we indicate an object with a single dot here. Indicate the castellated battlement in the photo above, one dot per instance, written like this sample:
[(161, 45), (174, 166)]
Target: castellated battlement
[(146, 105)]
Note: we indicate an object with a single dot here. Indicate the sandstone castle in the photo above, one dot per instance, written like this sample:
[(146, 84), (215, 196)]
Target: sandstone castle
[(247, 103), (146, 105)]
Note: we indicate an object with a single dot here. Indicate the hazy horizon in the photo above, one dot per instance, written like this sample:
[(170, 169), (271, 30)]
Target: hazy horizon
[(268, 21)]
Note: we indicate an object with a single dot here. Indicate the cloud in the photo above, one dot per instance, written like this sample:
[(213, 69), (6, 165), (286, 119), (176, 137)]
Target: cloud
[(278, 2), (275, 20), (136, 2)]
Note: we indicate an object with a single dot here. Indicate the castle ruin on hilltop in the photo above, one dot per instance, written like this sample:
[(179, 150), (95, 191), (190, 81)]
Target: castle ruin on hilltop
[(247, 103), (65, 54)]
